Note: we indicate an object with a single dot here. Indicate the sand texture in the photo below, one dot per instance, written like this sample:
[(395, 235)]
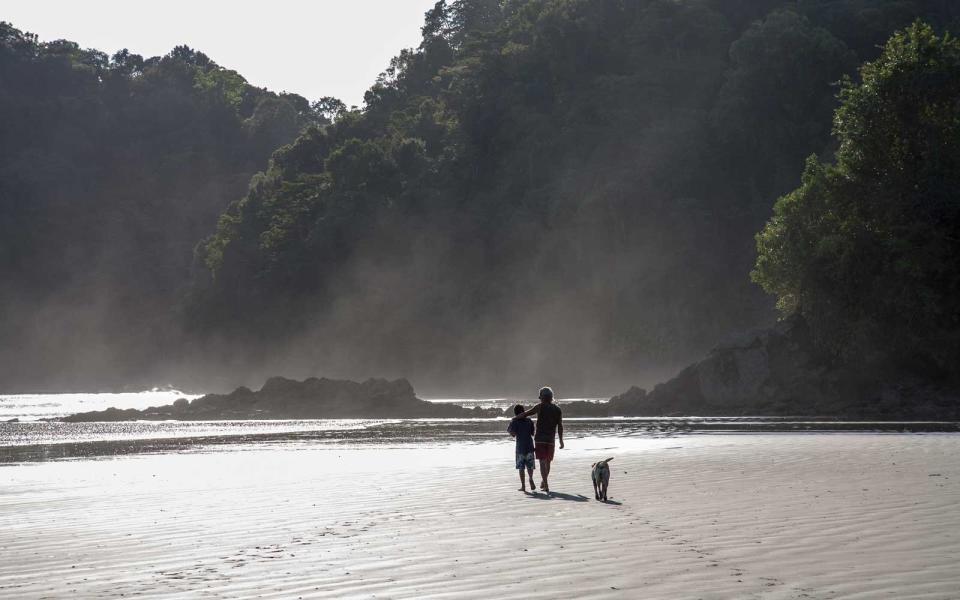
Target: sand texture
[(702, 516)]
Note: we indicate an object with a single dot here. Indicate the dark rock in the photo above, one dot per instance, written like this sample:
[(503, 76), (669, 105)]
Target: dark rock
[(313, 398), (772, 372), (13, 420), (778, 372)]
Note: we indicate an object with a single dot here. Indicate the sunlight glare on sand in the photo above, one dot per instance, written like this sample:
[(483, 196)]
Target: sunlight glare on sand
[(708, 516)]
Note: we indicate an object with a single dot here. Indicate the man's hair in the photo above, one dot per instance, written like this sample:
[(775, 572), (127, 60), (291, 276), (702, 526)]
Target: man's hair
[(546, 393), (518, 409)]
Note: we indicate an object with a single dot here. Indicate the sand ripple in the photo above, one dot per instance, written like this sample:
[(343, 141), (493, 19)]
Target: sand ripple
[(764, 516)]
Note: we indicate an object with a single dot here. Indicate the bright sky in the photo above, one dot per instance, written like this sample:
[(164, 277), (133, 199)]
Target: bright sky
[(311, 47)]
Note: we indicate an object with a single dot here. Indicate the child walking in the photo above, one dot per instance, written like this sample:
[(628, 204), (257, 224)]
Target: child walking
[(522, 430)]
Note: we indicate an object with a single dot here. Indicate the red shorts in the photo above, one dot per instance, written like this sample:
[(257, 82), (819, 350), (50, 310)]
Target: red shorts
[(543, 451)]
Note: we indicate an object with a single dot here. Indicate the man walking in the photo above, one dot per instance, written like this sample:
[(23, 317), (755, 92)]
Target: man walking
[(549, 426)]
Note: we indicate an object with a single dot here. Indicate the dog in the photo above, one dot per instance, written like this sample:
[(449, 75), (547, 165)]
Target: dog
[(600, 473)]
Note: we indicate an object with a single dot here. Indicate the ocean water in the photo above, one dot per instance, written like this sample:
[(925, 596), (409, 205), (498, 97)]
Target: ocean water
[(31, 439), (502, 402), (33, 407)]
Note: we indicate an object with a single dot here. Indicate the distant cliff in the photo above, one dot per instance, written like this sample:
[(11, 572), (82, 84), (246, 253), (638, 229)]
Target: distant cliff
[(312, 398)]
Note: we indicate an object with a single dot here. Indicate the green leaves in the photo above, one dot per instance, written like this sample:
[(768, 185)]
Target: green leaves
[(112, 171), (597, 162), (866, 248), (224, 83)]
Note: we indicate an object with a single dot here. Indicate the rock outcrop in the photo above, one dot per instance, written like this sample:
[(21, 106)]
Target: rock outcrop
[(282, 398), (773, 372), (778, 372)]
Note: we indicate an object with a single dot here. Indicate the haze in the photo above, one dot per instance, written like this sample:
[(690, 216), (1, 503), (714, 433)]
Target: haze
[(563, 193), (315, 49)]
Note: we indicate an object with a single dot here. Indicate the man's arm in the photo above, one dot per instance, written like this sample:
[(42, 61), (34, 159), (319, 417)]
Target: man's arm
[(560, 430), (528, 412)]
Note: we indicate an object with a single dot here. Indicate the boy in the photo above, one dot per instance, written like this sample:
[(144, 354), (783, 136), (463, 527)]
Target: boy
[(522, 429)]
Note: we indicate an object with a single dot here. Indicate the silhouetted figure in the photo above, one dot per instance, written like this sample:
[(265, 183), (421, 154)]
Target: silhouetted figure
[(549, 426), (522, 430)]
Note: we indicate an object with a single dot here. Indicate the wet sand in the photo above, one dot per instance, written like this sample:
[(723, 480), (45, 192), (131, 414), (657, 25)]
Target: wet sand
[(707, 516)]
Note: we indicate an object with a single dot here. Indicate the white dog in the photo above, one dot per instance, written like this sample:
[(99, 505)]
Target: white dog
[(600, 473)]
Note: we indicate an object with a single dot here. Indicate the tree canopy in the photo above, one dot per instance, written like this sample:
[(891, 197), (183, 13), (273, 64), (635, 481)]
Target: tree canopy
[(866, 248), (560, 188), (111, 170)]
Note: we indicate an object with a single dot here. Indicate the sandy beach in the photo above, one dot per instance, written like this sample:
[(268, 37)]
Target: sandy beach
[(700, 516)]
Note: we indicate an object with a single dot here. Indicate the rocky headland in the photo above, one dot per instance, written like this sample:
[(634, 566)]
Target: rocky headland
[(778, 372), (772, 372), (282, 398)]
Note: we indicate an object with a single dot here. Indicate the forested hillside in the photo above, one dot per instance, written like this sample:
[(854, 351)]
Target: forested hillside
[(542, 190), (866, 250), (561, 190), (111, 170)]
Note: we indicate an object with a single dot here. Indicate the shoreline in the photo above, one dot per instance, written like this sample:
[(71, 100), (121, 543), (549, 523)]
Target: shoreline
[(28, 442)]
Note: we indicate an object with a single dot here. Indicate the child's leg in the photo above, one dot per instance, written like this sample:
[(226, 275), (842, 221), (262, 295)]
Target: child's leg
[(523, 482), (533, 486)]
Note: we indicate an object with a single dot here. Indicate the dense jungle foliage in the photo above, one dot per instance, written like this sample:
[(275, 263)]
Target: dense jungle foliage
[(542, 190), (545, 187), (111, 170), (867, 249)]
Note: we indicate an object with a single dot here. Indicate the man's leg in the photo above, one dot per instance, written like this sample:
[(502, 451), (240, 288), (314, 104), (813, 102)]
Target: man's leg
[(523, 481), (544, 473), (533, 486)]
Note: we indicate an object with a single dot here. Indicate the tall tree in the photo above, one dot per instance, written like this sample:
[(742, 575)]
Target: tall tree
[(866, 249)]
